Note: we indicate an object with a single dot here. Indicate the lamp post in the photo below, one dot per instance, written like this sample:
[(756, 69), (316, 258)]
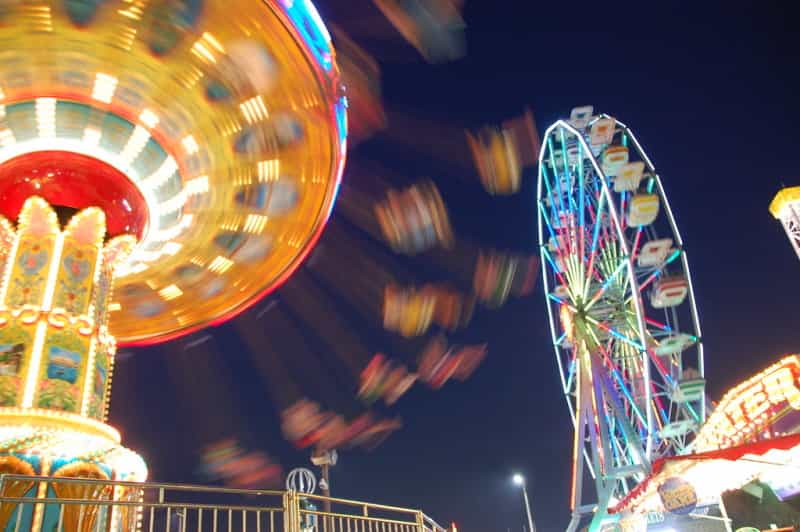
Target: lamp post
[(325, 459), (519, 480)]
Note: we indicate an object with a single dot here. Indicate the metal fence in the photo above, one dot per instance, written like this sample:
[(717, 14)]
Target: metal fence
[(85, 505)]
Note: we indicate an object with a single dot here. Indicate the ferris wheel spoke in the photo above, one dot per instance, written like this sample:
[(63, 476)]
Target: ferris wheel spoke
[(550, 198), (659, 270), (637, 240), (569, 175), (616, 334), (572, 368), (615, 407), (555, 173), (581, 201), (608, 282), (595, 240), (557, 299), (571, 375), (553, 264), (622, 386)]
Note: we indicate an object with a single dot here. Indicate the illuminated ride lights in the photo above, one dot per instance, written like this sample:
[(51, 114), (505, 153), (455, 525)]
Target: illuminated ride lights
[(621, 308), (230, 127), (57, 356), (763, 407), (191, 152), (785, 206), (752, 435)]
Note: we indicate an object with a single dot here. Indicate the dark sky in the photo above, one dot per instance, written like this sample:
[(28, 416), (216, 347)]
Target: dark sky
[(711, 90)]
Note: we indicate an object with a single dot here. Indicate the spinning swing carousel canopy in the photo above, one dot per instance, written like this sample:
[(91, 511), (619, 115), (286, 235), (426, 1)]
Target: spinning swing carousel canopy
[(215, 135)]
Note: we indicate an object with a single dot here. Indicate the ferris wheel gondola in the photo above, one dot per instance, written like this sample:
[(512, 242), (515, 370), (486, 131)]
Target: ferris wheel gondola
[(621, 307)]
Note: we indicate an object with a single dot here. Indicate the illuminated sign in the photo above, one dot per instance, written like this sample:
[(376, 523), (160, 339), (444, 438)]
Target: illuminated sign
[(748, 409), (678, 496)]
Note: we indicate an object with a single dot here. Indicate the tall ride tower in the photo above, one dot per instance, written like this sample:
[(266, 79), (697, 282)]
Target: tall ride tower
[(785, 206)]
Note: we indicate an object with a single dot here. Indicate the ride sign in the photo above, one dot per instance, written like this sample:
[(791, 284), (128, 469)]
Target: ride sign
[(678, 496)]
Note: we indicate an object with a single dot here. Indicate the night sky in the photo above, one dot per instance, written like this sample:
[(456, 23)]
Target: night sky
[(710, 90)]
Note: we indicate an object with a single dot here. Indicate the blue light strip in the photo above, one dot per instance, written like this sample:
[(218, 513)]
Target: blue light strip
[(614, 450), (597, 224), (675, 255), (309, 25), (549, 259), (627, 393), (691, 411), (547, 220), (605, 285), (582, 199), (624, 338), (341, 121), (550, 194), (555, 172), (567, 173)]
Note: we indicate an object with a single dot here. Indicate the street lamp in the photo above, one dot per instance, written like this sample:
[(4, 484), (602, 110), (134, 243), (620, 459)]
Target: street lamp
[(519, 480)]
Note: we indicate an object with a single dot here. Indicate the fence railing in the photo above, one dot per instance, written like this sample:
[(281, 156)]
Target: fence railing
[(87, 505)]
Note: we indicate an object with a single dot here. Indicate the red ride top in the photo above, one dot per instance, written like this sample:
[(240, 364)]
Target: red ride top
[(77, 181)]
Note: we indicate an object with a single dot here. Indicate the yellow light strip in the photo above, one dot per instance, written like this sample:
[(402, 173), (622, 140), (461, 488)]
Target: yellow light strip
[(136, 143), (42, 17), (254, 109), (46, 117), (171, 248), (89, 378), (190, 144), (133, 11), (269, 170), (220, 265), (198, 185), (104, 87), (213, 42), (174, 203), (255, 223), (98, 271), (160, 176), (170, 292), (91, 136), (148, 118), (112, 360), (53, 419)]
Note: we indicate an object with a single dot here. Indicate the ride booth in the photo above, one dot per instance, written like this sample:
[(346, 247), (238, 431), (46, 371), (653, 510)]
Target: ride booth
[(744, 473)]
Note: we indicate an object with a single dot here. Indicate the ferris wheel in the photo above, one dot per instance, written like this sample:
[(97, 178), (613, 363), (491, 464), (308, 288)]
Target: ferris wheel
[(621, 308)]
